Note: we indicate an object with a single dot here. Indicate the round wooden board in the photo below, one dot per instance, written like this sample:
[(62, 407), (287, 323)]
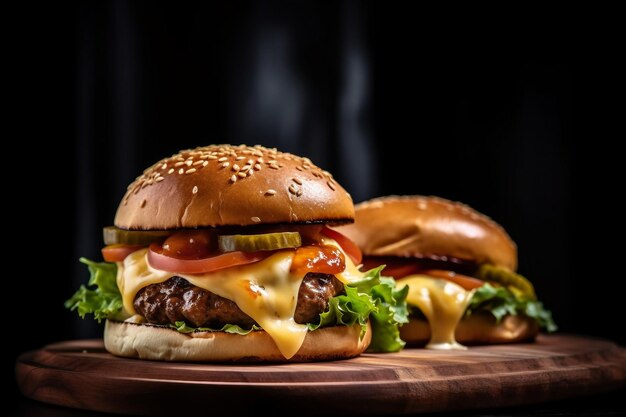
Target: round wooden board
[(82, 374)]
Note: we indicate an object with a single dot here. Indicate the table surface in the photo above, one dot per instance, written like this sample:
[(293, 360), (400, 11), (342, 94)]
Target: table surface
[(414, 380), (607, 404)]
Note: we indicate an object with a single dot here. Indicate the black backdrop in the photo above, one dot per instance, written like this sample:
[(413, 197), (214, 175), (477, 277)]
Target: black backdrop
[(512, 115)]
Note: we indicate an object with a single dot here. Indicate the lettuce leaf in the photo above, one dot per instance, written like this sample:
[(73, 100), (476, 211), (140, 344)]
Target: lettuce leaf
[(391, 313), (182, 327), (103, 301), (500, 301)]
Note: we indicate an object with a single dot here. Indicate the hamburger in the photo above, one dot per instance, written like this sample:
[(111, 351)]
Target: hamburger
[(224, 253), (459, 266)]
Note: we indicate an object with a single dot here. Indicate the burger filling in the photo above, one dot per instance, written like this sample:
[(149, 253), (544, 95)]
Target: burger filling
[(177, 300), (443, 290), (285, 282)]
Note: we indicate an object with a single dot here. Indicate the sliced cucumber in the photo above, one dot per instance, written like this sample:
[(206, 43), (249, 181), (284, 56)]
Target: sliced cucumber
[(253, 243), (507, 278), (114, 235)]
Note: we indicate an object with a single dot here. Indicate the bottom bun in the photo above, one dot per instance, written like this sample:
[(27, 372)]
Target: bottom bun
[(161, 343), (476, 329)]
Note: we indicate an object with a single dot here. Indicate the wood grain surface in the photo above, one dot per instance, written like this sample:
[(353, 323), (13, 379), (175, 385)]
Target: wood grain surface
[(81, 374)]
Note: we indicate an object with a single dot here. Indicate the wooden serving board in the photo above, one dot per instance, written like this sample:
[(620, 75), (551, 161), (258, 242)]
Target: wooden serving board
[(81, 374)]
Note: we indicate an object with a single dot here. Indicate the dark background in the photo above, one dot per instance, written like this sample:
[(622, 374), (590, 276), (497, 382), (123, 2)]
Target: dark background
[(514, 113)]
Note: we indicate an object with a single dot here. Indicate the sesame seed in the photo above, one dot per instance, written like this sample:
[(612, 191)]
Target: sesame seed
[(274, 166), (297, 181), (236, 167), (189, 162), (198, 163), (270, 192), (170, 171), (222, 159), (260, 160), (177, 164), (195, 189), (233, 178), (242, 174), (273, 161), (212, 157), (250, 162), (250, 171), (239, 158), (293, 189), (163, 166), (159, 179), (190, 171), (299, 193), (255, 219), (225, 164), (205, 163), (257, 167), (299, 168), (330, 185), (182, 170), (143, 203)]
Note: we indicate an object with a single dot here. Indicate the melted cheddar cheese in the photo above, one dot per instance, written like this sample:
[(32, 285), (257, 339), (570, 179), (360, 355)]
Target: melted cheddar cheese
[(266, 290), (443, 303)]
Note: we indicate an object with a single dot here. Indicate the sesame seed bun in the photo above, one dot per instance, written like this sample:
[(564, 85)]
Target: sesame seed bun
[(162, 343), (224, 185), (431, 228)]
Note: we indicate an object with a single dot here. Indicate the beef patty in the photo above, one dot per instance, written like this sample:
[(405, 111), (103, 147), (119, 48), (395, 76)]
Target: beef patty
[(178, 300)]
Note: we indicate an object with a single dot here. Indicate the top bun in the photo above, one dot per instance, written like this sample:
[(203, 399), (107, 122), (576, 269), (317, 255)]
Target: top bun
[(224, 185), (430, 227)]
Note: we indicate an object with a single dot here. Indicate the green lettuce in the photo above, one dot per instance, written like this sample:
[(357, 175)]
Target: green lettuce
[(373, 298), (183, 327), (103, 301), (500, 301)]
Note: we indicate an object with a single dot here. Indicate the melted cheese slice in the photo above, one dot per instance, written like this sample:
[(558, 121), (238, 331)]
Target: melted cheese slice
[(266, 290), (443, 303)]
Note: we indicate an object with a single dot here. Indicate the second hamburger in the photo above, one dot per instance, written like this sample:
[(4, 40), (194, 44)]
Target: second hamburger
[(460, 267)]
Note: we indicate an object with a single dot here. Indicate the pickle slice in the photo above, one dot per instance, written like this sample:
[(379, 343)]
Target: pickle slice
[(507, 278), (114, 235), (253, 243)]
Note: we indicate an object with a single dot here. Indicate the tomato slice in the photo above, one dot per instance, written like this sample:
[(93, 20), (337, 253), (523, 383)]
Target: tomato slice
[(349, 247), (401, 271), (323, 259), (117, 253), (464, 281), (198, 266)]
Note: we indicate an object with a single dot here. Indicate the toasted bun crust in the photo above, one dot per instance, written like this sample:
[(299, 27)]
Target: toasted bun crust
[(161, 343), (224, 185), (429, 227), (476, 329)]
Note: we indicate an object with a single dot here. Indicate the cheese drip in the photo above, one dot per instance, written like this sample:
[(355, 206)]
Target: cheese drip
[(443, 303), (266, 290)]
